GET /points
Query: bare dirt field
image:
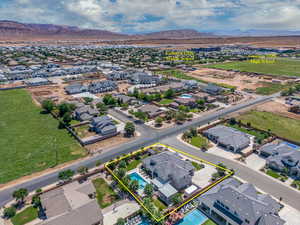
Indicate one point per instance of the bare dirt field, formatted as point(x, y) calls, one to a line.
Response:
point(55, 92)
point(105, 145)
point(278, 108)
point(240, 80)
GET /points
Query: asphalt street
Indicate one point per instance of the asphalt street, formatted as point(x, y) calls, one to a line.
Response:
point(167, 136)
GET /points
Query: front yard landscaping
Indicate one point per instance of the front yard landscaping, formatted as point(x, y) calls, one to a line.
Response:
point(27, 215)
point(259, 135)
point(276, 175)
point(192, 137)
point(30, 141)
point(282, 126)
point(296, 184)
point(104, 193)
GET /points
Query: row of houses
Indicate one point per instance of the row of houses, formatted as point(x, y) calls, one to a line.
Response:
point(94, 87)
point(21, 72)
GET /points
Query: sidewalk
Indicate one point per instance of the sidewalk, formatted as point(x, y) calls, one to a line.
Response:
point(1, 219)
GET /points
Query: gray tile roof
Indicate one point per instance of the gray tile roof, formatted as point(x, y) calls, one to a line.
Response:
point(229, 136)
point(242, 200)
point(71, 205)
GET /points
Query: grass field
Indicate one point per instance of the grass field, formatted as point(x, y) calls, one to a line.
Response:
point(165, 101)
point(104, 193)
point(27, 215)
point(289, 67)
point(260, 136)
point(282, 126)
point(27, 138)
point(199, 141)
point(270, 88)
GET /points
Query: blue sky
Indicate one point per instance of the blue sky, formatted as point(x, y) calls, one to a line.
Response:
point(140, 16)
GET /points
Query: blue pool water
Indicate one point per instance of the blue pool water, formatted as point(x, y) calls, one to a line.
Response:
point(292, 145)
point(193, 218)
point(186, 96)
point(141, 181)
point(144, 222)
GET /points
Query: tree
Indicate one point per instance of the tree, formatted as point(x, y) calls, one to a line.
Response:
point(48, 105)
point(65, 108)
point(134, 185)
point(169, 93)
point(102, 108)
point(9, 212)
point(66, 175)
point(82, 170)
point(121, 221)
point(36, 201)
point(67, 118)
point(148, 190)
point(193, 132)
point(122, 164)
point(232, 121)
point(129, 129)
point(121, 172)
point(20, 194)
point(158, 121)
point(176, 199)
point(87, 100)
point(109, 100)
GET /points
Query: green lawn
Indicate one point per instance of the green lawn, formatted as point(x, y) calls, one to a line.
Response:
point(104, 193)
point(199, 141)
point(29, 139)
point(159, 204)
point(279, 125)
point(297, 183)
point(260, 136)
point(27, 215)
point(273, 173)
point(180, 75)
point(270, 88)
point(133, 164)
point(281, 67)
point(209, 222)
point(165, 101)
point(197, 166)
point(82, 130)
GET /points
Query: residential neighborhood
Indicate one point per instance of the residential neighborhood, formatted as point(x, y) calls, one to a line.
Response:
point(163, 132)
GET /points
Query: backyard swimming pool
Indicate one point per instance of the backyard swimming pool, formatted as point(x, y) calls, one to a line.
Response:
point(186, 96)
point(193, 218)
point(141, 181)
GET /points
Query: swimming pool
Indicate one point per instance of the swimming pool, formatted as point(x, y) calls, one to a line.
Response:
point(186, 96)
point(141, 181)
point(292, 145)
point(193, 218)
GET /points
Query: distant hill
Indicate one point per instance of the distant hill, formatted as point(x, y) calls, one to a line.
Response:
point(176, 34)
point(16, 29)
point(12, 29)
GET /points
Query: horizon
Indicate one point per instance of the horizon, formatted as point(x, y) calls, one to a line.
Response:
point(134, 17)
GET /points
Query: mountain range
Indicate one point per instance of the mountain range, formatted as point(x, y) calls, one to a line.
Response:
point(16, 30)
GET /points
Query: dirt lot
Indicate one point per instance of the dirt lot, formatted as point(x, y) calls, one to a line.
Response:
point(55, 92)
point(277, 107)
point(105, 145)
point(237, 79)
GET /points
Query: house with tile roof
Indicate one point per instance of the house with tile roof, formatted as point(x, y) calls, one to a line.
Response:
point(228, 137)
point(233, 203)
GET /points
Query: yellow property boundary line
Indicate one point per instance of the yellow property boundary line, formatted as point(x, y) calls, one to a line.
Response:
point(230, 173)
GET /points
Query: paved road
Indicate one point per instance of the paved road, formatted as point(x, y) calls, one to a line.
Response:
point(148, 136)
point(263, 182)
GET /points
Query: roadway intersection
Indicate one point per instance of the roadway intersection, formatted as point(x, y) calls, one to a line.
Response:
point(168, 137)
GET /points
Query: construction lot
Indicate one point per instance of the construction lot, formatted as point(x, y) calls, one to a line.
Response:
point(242, 81)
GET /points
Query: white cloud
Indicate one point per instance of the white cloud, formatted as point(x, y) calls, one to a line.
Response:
point(125, 15)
